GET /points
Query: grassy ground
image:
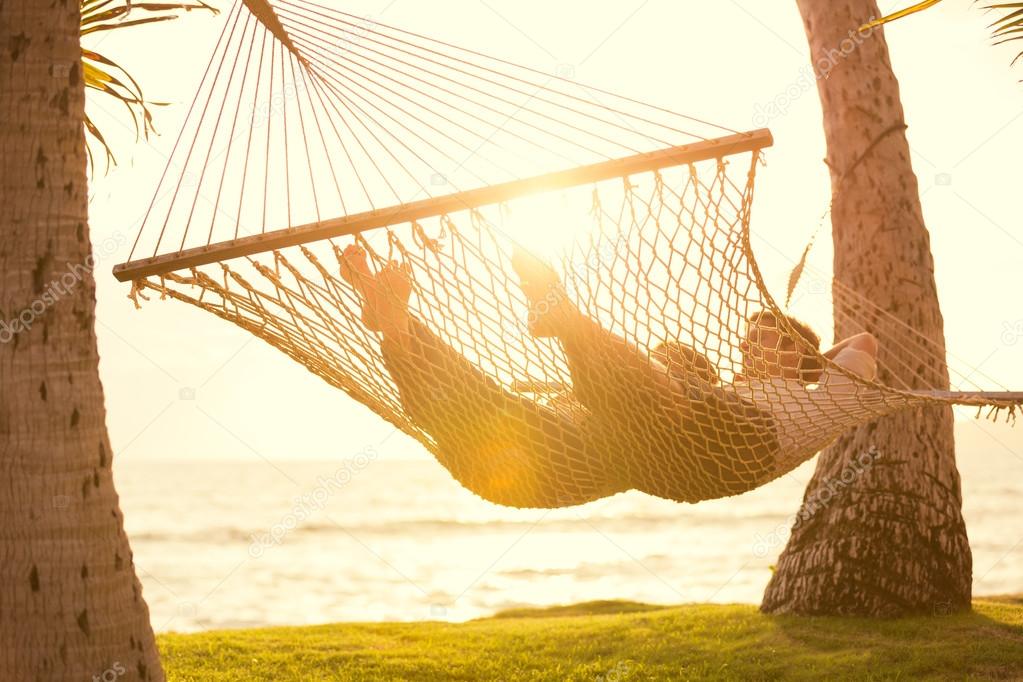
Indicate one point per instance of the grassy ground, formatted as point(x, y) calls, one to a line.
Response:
point(615, 642)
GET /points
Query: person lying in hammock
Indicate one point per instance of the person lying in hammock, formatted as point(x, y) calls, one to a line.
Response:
point(659, 423)
point(778, 369)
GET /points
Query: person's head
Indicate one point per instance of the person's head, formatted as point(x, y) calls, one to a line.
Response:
point(769, 350)
point(685, 361)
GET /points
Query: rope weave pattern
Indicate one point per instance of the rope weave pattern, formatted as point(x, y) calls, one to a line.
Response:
point(648, 385)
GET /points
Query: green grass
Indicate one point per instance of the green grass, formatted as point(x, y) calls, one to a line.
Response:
point(618, 641)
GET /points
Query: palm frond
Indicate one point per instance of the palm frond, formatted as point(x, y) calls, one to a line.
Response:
point(1006, 28)
point(110, 78)
point(918, 7)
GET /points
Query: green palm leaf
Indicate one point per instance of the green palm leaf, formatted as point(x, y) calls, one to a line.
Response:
point(106, 76)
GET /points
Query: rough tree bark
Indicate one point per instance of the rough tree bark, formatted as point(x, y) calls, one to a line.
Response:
point(71, 606)
point(887, 538)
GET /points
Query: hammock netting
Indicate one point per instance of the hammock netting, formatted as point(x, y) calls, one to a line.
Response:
point(427, 151)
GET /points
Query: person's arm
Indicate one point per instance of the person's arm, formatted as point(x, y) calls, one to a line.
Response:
point(858, 355)
point(864, 342)
point(595, 354)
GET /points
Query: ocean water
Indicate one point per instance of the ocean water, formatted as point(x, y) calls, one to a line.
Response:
point(253, 543)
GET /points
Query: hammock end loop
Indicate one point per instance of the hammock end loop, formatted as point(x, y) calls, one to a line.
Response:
point(137, 286)
point(424, 241)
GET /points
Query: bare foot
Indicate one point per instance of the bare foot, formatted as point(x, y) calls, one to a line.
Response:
point(355, 270)
point(548, 302)
point(394, 287)
point(384, 295)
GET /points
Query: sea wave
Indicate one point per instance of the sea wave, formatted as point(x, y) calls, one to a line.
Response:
point(438, 526)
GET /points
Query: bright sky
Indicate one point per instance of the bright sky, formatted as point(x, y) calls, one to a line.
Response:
point(180, 383)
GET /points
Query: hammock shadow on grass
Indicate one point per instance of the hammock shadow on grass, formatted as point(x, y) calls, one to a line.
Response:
point(890, 638)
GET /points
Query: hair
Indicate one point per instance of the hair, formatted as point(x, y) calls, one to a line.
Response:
point(810, 365)
point(686, 359)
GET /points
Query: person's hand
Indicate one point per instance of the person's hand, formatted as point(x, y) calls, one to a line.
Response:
point(864, 342)
point(537, 278)
point(834, 351)
point(549, 307)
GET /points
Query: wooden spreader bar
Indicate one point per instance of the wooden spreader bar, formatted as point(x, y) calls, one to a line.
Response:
point(438, 206)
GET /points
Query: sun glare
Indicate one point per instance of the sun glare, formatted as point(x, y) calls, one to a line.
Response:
point(548, 224)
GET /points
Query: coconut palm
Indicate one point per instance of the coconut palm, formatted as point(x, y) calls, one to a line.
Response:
point(71, 606)
point(881, 531)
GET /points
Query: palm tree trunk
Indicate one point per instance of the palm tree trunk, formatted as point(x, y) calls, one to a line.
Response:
point(881, 531)
point(71, 606)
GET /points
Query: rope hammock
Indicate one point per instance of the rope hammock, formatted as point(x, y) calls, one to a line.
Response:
point(317, 139)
